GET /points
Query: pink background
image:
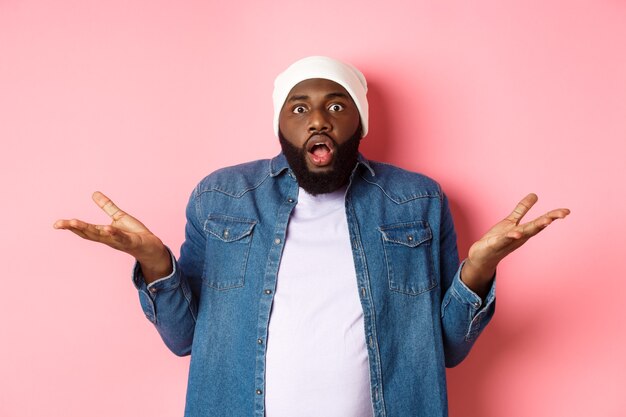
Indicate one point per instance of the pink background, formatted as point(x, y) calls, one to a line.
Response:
point(141, 99)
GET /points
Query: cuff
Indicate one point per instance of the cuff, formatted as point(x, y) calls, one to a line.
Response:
point(169, 282)
point(464, 294)
point(148, 292)
point(480, 311)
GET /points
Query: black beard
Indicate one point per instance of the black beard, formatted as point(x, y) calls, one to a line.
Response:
point(315, 183)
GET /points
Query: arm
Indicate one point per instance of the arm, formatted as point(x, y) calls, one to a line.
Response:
point(502, 239)
point(464, 314)
point(127, 234)
point(161, 283)
point(469, 302)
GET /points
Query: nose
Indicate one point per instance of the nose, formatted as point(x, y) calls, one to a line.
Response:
point(318, 121)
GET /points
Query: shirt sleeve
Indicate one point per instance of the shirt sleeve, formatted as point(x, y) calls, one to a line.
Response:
point(464, 315)
point(170, 303)
point(145, 290)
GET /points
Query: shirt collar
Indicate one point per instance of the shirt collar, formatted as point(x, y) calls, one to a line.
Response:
point(362, 161)
point(278, 164)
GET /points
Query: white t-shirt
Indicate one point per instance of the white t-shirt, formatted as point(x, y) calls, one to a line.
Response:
point(317, 362)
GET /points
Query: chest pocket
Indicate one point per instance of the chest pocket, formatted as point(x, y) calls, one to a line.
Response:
point(407, 254)
point(227, 248)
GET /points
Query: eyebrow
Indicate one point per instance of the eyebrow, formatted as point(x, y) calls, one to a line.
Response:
point(328, 96)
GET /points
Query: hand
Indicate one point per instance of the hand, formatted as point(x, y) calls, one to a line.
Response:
point(127, 234)
point(502, 239)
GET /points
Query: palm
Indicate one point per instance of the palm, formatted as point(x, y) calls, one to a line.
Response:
point(508, 234)
point(125, 232)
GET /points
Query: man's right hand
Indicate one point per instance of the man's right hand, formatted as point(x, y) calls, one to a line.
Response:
point(127, 234)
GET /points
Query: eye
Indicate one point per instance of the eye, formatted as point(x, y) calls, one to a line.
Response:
point(336, 107)
point(299, 109)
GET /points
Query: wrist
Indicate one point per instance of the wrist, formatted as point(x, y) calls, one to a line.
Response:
point(157, 265)
point(477, 277)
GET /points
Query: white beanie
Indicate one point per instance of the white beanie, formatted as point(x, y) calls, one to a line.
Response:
point(327, 68)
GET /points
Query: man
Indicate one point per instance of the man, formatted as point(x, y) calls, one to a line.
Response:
point(317, 283)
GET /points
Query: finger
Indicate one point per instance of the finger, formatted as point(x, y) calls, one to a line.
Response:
point(522, 208)
point(69, 224)
point(533, 227)
point(558, 213)
point(60, 224)
point(107, 205)
point(73, 226)
point(530, 229)
point(105, 234)
point(84, 229)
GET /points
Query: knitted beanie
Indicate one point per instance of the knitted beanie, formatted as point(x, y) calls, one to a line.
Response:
point(327, 68)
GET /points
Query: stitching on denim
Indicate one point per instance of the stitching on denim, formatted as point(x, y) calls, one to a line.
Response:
point(231, 284)
point(456, 295)
point(446, 302)
point(243, 192)
point(396, 287)
point(413, 225)
point(151, 314)
point(187, 294)
point(474, 322)
point(407, 199)
point(366, 164)
point(222, 286)
point(226, 220)
point(474, 327)
point(357, 236)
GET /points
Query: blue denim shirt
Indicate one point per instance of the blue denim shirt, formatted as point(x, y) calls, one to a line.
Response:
point(418, 315)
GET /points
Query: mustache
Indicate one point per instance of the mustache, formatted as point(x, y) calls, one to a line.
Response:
point(319, 134)
point(316, 135)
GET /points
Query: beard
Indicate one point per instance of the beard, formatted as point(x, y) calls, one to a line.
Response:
point(337, 176)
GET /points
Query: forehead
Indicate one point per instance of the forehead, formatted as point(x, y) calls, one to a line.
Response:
point(317, 87)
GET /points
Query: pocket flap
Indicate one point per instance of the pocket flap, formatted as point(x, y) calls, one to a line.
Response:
point(407, 234)
point(228, 229)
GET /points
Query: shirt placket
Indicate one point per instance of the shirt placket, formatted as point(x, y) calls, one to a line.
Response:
point(267, 296)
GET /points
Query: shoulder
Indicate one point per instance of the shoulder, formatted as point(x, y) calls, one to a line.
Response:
point(235, 180)
point(399, 184)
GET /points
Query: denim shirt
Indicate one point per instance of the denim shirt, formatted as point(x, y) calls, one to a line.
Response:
point(419, 317)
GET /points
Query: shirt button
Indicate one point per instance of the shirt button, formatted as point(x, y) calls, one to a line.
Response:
point(153, 290)
point(259, 392)
point(226, 233)
point(410, 238)
point(268, 292)
point(290, 200)
point(259, 341)
point(476, 304)
point(277, 241)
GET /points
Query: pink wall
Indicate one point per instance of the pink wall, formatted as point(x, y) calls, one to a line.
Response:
point(140, 99)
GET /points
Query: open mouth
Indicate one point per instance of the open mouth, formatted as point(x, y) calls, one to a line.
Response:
point(320, 149)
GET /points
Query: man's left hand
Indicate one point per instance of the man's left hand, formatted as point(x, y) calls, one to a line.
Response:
point(502, 239)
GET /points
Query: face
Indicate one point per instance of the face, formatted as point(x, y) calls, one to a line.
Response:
point(320, 131)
